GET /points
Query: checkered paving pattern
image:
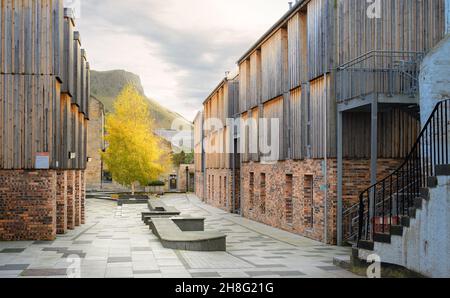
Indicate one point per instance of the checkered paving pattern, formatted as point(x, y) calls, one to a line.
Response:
point(114, 243)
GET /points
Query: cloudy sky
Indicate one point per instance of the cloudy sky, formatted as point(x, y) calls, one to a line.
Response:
point(180, 48)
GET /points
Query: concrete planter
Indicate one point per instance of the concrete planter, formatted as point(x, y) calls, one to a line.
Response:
point(155, 190)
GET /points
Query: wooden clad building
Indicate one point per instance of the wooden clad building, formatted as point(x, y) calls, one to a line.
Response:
point(44, 89)
point(199, 156)
point(219, 143)
point(342, 82)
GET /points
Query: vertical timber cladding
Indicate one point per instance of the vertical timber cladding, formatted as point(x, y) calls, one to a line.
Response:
point(244, 130)
point(31, 63)
point(68, 71)
point(319, 113)
point(320, 28)
point(397, 132)
point(296, 123)
point(31, 37)
point(30, 109)
point(273, 110)
point(405, 25)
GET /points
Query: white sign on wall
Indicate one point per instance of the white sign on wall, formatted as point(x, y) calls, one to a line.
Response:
point(42, 161)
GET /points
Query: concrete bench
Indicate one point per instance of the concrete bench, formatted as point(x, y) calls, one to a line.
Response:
point(158, 210)
point(187, 234)
point(147, 216)
point(159, 206)
point(130, 199)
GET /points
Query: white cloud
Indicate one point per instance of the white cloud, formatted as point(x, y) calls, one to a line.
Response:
point(180, 49)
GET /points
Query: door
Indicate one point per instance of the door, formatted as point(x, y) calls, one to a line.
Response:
point(173, 182)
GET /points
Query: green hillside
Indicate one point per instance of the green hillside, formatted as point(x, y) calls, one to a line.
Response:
point(106, 85)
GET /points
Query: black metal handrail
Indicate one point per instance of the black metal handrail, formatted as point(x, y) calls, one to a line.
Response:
point(386, 202)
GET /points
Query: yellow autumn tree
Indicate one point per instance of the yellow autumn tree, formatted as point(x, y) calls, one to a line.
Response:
point(133, 155)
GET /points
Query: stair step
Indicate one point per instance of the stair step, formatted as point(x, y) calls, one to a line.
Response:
point(343, 262)
point(432, 182)
point(418, 203)
point(425, 193)
point(412, 212)
point(405, 221)
point(367, 245)
point(443, 170)
point(382, 238)
point(397, 230)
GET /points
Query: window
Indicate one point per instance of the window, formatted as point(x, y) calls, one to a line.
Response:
point(289, 208)
point(225, 191)
point(262, 193)
point(252, 190)
point(220, 191)
point(308, 194)
point(212, 187)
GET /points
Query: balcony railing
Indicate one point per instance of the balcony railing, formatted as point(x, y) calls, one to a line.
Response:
point(388, 72)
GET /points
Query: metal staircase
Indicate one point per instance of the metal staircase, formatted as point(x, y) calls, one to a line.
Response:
point(390, 203)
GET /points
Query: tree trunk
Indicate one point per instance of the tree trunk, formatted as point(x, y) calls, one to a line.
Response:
point(133, 188)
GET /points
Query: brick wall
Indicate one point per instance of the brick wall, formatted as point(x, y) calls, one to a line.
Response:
point(20, 192)
point(301, 210)
point(95, 144)
point(61, 202)
point(199, 186)
point(218, 188)
point(83, 196)
point(77, 213)
point(71, 200)
point(182, 176)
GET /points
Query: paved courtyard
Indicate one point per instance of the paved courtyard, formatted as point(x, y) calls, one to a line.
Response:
point(114, 243)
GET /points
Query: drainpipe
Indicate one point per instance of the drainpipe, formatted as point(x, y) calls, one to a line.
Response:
point(447, 17)
point(325, 168)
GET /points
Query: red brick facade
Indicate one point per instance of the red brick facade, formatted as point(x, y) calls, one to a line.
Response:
point(37, 205)
point(83, 197)
point(218, 188)
point(290, 195)
point(27, 205)
point(199, 186)
point(71, 200)
point(61, 202)
point(77, 213)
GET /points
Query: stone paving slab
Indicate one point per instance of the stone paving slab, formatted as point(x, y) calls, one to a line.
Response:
point(114, 243)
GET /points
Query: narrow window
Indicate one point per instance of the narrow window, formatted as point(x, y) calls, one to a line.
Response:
point(220, 191)
point(289, 191)
point(308, 191)
point(263, 193)
point(225, 191)
point(212, 188)
point(252, 189)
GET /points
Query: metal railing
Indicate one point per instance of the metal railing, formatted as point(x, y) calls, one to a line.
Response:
point(385, 203)
point(388, 72)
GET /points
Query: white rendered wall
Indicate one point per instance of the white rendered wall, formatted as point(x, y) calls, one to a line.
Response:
point(425, 245)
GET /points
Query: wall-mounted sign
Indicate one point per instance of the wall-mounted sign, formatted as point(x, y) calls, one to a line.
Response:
point(42, 161)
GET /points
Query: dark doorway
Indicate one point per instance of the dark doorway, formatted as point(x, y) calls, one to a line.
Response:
point(173, 182)
point(191, 182)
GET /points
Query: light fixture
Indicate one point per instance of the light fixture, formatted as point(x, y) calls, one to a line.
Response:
point(72, 155)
